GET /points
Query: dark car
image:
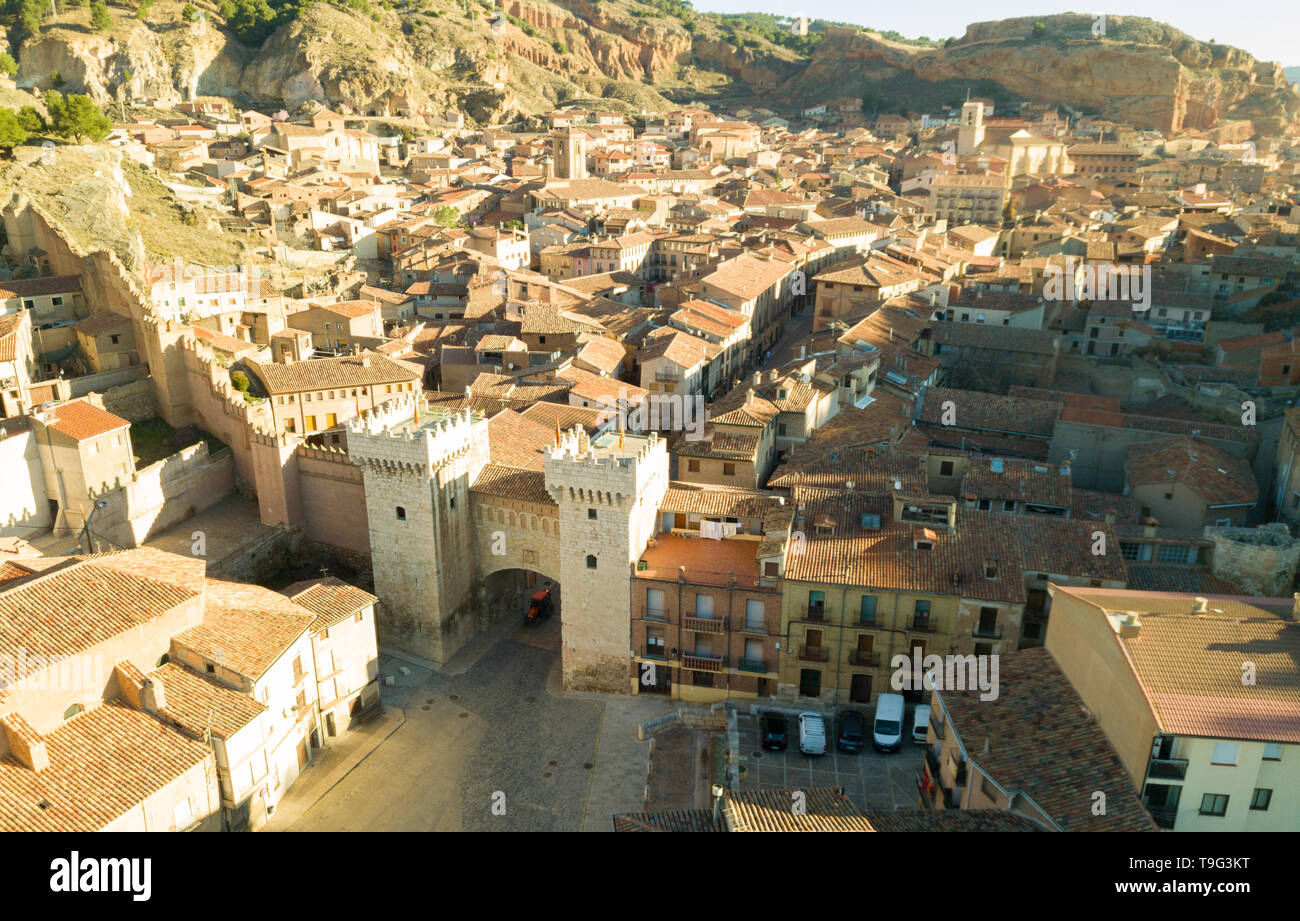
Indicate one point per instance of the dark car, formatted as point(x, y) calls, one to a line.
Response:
point(772, 728)
point(852, 734)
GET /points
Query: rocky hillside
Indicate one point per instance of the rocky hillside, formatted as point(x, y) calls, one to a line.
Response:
point(496, 62)
point(1139, 71)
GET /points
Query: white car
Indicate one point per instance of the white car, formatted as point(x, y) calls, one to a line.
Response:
point(920, 722)
point(812, 734)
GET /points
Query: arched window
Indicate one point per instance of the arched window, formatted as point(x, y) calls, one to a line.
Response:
point(591, 561)
point(401, 513)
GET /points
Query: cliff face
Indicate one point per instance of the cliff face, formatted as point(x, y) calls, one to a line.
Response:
point(1140, 72)
point(530, 55)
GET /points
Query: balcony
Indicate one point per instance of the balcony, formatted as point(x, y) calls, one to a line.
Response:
point(864, 659)
point(1163, 816)
point(667, 377)
point(981, 632)
point(814, 654)
point(753, 665)
point(704, 663)
point(658, 615)
point(714, 625)
point(1168, 768)
point(921, 626)
point(816, 613)
point(656, 653)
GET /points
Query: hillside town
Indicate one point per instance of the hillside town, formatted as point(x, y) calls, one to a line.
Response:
point(960, 447)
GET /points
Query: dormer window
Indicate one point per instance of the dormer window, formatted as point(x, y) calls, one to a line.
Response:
point(990, 569)
point(924, 545)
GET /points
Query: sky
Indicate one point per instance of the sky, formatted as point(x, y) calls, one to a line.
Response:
point(1268, 31)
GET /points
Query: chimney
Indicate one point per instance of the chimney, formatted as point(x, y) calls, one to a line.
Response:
point(1149, 527)
point(1295, 607)
point(152, 697)
point(801, 350)
point(1111, 515)
point(25, 743)
point(758, 378)
point(1130, 626)
point(1202, 605)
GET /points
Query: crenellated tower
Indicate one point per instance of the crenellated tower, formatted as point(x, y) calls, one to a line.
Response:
point(608, 490)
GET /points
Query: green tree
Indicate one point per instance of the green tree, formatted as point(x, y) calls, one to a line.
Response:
point(76, 116)
point(100, 21)
point(31, 120)
point(12, 132)
point(447, 216)
point(30, 14)
point(8, 66)
point(1039, 30)
point(56, 80)
point(143, 9)
point(189, 11)
point(239, 380)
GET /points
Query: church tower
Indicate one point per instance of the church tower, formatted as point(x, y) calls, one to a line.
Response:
point(970, 134)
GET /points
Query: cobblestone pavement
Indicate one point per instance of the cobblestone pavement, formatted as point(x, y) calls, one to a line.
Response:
point(492, 728)
point(872, 779)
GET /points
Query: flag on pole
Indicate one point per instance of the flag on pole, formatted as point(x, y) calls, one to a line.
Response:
point(557, 431)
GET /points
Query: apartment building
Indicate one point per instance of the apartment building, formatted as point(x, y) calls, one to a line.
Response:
point(315, 395)
point(968, 199)
point(1197, 695)
point(706, 595)
point(84, 451)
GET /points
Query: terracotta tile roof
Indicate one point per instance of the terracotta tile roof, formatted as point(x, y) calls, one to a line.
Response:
point(39, 287)
point(518, 441)
point(948, 820)
point(1212, 473)
point(1189, 665)
point(512, 483)
point(330, 598)
point(714, 443)
point(197, 704)
point(719, 501)
point(1166, 578)
point(769, 810)
point(245, 628)
point(80, 419)
point(103, 763)
point(79, 604)
point(886, 557)
point(101, 322)
point(1037, 738)
point(688, 820)
point(990, 412)
point(1006, 478)
point(366, 369)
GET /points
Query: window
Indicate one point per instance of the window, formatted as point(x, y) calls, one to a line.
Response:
point(984, 505)
point(693, 466)
point(1214, 804)
point(591, 561)
point(591, 514)
point(867, 609)
point(1225, 753)
point(921, 616)
point(728, 469)
point(945, 468)
point(72, 711)
point(1260, 799)
point(755, 616)
point(401, 513)
point(183, 814)
point(1272, 751)
point(360, 616)
point(1128, 551)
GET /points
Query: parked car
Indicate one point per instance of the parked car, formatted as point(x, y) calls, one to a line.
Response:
point(852, 732)
point(920, 721)
point(771, 727)
point(812, 734)
point(887, 731)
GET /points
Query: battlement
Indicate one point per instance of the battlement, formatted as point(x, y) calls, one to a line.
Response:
point(397, 436)
point(607, 469)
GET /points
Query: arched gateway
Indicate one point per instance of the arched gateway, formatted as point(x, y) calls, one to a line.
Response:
point(454, 499)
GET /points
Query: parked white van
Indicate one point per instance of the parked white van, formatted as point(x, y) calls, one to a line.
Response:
point(887, 730)
point(812, 734)
point(920, 721)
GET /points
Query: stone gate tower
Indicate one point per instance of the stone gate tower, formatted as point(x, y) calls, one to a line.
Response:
point(417, 479)
point(608, 496)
